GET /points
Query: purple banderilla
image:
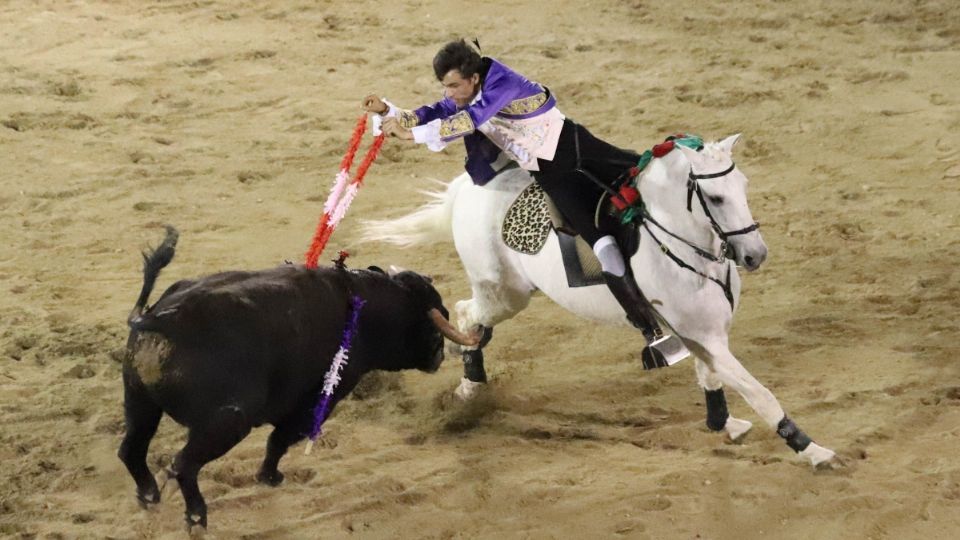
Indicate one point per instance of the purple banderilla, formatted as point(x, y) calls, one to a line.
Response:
point(332, 378)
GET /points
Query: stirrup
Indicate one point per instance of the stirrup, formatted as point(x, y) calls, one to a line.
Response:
point(662, 352)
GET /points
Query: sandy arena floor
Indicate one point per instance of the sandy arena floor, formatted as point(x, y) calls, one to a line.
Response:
point(228, 119)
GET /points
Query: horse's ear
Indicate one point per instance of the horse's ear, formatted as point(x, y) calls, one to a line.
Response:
point(727, 144)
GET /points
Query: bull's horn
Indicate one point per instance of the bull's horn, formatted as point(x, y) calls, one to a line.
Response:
point(451, 333)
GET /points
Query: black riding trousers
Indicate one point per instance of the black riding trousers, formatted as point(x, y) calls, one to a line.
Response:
point(575, 195)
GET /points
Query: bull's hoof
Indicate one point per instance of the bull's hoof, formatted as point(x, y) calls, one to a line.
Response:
point(468, 389)
point(196, 525)
point(270, 478)
point(148, 498)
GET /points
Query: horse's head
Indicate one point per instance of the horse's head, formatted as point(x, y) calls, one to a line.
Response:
point(720, 189)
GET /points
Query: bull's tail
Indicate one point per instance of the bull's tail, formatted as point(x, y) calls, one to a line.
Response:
point(430, 223)
point(154, 261)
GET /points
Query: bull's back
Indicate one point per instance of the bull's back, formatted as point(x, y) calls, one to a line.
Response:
point(260, 341)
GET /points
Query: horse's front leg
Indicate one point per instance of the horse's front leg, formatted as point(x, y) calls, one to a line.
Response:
point(470, 317)
point(731, 373)
point(491, 304)
point(718, 418)
point(474, 374)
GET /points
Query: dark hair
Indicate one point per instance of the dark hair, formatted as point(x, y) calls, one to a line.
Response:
point(459, 56)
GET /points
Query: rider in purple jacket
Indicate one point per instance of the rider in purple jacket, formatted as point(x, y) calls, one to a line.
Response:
point(503, 117)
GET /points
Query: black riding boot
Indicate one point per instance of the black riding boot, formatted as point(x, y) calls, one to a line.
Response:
point(640, 313)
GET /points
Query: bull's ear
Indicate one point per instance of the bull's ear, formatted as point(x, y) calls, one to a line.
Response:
point(376, 269)
point(428, 278)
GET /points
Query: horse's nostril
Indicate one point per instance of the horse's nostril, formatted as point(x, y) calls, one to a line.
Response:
point(749, 260)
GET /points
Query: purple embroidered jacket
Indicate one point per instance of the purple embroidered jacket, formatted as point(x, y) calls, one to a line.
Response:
point(504, 94)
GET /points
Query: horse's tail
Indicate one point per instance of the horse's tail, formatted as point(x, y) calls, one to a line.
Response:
point(432, 222)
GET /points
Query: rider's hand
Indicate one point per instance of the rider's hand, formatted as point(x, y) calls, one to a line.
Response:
point(374, 104)
point(392, 127)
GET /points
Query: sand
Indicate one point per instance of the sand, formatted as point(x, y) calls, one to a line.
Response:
point(228, 120)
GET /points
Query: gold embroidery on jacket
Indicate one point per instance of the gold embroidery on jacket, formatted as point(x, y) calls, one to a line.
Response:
point(456, 125)
point(525, 105)
point(407, 119)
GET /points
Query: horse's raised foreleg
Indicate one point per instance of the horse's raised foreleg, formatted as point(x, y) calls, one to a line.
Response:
point(731, 373)
point(473, 368)
point(490, 305)
point(718, 418)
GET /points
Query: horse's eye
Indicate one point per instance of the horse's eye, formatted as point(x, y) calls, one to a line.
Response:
point(716, 199)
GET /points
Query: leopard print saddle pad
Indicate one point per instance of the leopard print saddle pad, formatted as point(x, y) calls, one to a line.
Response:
point(527, 226)
point(529, 220)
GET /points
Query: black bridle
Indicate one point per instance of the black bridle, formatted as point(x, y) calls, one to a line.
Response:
point(693, 186)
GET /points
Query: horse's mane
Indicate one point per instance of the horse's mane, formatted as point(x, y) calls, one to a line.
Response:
point(712, 150)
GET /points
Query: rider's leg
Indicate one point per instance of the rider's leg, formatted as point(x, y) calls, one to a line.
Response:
point(624, 287)
point(575, 197)
point(603, 159)
point(610, 256)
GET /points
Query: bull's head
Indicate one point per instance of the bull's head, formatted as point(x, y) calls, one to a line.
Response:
point(436, 319)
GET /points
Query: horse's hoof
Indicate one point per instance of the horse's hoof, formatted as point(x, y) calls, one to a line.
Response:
point(822, 458)
point(272, 479)
point(836, 463)
point(468, 389)
point(737, 429)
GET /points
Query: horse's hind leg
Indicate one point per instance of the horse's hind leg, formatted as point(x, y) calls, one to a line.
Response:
point(731, 373)
point(718, 418)
point(490, 305)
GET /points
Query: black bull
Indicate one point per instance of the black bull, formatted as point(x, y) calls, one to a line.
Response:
point(231, 351)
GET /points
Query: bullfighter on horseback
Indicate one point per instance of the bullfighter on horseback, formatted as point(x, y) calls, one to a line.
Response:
point(505, 118)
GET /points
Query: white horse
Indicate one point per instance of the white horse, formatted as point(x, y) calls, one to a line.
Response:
point(696, 211)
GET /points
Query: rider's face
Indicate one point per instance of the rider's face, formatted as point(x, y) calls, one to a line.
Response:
point(461, 90)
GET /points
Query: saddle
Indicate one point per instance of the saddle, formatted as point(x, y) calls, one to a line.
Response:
point(532, 215)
